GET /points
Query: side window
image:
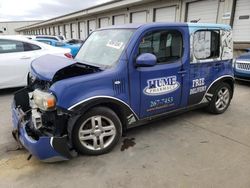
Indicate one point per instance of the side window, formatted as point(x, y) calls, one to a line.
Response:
point(59, 44)
point(45, 42)
point(206, 44)
point(165, 45)
point(30, 47)
point(10, 46)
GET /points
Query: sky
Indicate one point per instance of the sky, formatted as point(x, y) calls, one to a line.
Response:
point(23, 10)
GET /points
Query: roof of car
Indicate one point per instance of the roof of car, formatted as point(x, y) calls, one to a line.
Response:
point(23, 38)
point(170, 24)
point(46, 39)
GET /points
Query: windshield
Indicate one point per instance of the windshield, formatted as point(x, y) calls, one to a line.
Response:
point(104, 47)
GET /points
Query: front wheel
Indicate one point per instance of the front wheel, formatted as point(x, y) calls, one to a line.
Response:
point(97, 132)
point(221, 99)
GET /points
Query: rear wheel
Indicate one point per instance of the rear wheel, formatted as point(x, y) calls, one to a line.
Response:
point(221, 99)
point(97, 132)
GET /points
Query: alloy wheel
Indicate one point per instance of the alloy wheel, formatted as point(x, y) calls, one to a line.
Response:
point(97, 132)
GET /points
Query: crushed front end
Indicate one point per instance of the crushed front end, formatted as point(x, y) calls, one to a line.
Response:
point(39, 125)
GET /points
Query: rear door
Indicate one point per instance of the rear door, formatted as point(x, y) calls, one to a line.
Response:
point(206, 63)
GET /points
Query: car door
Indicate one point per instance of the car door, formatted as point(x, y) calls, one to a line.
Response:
point(15, 59)
point(205, 64)
point(161, 85)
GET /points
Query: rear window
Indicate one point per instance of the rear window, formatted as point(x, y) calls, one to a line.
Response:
point(206, 44)
point(31, 47)
point(45, 42)
point(12, 46)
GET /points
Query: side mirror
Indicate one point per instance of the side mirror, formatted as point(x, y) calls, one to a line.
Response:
point(146, 60)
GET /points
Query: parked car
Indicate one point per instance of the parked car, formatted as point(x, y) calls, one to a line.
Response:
point(122, 77)
point(73, 47)
point(74, 41)
point(16, 55)
point(242, 66)
point(57, 38)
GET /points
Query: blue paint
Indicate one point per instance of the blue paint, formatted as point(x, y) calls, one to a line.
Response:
point(74, 48)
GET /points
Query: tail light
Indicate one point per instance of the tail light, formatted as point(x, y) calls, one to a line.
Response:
point(68, 55)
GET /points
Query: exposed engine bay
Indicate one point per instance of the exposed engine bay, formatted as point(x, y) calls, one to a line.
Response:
point(51, 121)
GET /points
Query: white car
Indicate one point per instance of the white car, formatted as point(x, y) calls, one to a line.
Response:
point(16, 55)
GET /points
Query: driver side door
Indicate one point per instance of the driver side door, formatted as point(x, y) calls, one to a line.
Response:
point(161, 85)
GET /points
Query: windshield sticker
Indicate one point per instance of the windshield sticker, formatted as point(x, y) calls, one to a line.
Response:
point(198, 86)
point(114, 44)
point(160, 86)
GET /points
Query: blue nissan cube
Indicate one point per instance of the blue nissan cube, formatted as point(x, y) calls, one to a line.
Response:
point(123, 76)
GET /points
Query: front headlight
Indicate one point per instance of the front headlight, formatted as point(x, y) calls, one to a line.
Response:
point(44, 100)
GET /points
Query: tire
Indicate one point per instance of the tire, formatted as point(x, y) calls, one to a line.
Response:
point(221, 99)
point(97, 131)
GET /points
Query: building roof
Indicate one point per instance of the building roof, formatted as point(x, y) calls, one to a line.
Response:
point(111, 5)
point(169, 24)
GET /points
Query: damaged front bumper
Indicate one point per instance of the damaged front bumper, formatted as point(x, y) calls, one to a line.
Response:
point(45, 148)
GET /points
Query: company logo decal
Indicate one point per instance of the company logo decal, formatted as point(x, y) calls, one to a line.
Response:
point(160, 86)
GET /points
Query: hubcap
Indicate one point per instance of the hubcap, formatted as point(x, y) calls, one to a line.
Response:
point(223, 98)
point(97, 132)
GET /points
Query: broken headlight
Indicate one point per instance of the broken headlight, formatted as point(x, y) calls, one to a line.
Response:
point(44, 100)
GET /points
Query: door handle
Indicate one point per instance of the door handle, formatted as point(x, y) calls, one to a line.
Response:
point(217, 64)
point(25, 57)
point(182, 72)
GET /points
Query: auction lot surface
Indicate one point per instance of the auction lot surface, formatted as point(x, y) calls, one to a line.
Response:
point(195, 149)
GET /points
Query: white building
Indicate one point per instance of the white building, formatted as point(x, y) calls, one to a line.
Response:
point(9, 27)
point(79, 24)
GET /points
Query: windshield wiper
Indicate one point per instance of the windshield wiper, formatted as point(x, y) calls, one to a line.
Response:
point(99, 66)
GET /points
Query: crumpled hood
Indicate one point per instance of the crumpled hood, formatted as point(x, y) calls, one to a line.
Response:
point(54, 68)
point(45, 67)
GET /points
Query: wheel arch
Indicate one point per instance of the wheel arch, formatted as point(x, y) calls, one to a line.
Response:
point(226, 79)
point(122, 109)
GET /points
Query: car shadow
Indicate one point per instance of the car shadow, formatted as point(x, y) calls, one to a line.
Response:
point(243, 83)
point(164, 121)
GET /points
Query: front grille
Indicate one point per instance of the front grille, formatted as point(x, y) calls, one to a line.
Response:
point(243, 65)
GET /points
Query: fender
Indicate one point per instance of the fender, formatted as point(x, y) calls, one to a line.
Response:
point(210, 90)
